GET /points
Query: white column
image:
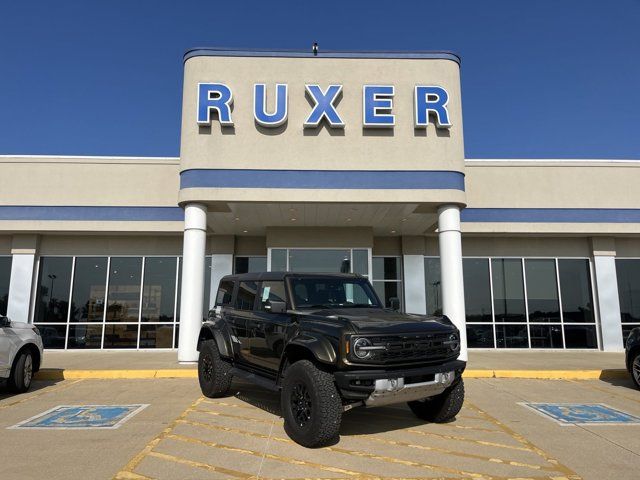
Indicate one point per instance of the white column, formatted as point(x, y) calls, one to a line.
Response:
point(195, 238)
point(415, 296)
point(608, 302)
point(452, 285)
point(221, 265)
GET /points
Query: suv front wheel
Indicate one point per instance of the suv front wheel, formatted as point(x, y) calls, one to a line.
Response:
point(21, 372)
point(214, 374)
point(311, 406)
point(440, 408)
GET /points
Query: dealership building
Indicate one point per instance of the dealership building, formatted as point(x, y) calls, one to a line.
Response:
point(335, 162)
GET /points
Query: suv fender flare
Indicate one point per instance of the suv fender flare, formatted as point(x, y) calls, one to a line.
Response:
point(211, 332)
point(312, 347)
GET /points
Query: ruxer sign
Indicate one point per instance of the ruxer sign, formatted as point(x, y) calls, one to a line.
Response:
point(377, 105)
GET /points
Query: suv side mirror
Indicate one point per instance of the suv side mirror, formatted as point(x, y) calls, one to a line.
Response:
point(274, 306)
point(5, 322)
point(395, 303)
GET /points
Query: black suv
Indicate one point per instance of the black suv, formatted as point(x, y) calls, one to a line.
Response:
point(325, 342)
point(632, 349)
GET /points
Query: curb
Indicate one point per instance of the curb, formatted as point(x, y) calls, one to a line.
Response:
point(62, 374)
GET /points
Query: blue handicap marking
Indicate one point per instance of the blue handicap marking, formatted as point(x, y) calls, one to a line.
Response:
point(583, 413)
point(82, 417)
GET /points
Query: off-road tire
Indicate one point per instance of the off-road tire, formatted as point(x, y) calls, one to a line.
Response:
point(21, 372)
point(441, 408)
point(635, 368)
point(303, 384)
point(214, 374)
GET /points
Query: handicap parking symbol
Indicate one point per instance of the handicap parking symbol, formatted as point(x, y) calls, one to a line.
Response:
point(583, 413)
point(82, 417)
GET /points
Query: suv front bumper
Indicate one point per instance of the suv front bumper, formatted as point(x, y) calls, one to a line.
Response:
point(375, 386)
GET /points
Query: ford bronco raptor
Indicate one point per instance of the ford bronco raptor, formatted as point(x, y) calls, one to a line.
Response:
point(325, 342)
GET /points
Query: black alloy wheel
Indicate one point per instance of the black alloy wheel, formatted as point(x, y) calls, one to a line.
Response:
point(301, 405)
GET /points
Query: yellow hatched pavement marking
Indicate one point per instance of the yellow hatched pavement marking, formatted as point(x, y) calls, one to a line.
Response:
point(201, 465)
point(465, 439)
point(131, 476)
point(270, 456)
point(564, 470)
point(44, 391)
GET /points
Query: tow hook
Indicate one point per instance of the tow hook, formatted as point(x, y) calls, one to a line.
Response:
point(346, 408)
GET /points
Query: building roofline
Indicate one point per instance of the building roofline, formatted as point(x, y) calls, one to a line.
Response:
point(380, 54)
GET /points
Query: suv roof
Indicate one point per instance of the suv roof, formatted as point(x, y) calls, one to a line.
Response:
point(257, 276)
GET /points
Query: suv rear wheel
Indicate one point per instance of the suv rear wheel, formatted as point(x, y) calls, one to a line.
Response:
point(635, 368)
point(311, 406)
point(441, 408)
point(21, 372)
point(214, 374)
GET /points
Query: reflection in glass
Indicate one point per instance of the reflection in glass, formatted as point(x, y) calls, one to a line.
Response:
point(156, 336)
point(626, 331)
point(386, 268)
point(53, 335)
point(158, 292)
point(508, 290)
point(432, 284)
point(387, 290)
point(250, 264)
point(575, 289)
point(52, 296)
point(360, 262)
point(279, 260)
point(319, 261)
point(206, 304)
point(120, 336)
point(89, 285)
point(480, 336)
point(542, 290)
point(5, 276)
point(511, 336)
point(246, 295)
point(580, 336)
point(85, 336)
point(546, 336)
point(477, 293)
point(179, 289)
point(628, 273)
point(124, 290)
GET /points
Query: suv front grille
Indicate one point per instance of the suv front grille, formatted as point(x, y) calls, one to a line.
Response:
point(411, 348)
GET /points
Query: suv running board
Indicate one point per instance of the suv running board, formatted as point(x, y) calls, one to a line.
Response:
point(255, 379)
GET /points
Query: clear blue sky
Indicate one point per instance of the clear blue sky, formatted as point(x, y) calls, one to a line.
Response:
point(543, 78)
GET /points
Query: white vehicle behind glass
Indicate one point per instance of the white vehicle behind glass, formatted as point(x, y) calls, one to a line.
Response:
point(20, 353)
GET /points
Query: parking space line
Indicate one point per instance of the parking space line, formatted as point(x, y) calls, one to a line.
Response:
point(237, 417)
point(570, 474)
point(270, 456)
point(471, 440)
point(130, 476)
point(44, 391)
point(201, 465)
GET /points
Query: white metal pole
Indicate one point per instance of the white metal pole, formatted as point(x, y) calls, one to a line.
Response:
point(195, 237)
point(452, 285)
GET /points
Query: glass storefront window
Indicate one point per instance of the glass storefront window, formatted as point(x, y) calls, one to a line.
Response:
point(432, 284)
point(159, 290)
point(575, 290)
point(5, 277)
point(480, 336)
point(546, 336)
point(85, 336)
point(477, 289)
point(54, 280)
point(250, 264)
point(360, 262)
point(628, 273)
point(319, 260)
point(508, 290)
point(89, 287)
point(279, 260)
point(120, 336)
point(542, 290)
point(512, 336)
point(156, 336)
point(580, 336)
point(387, 279)
point(123, 300)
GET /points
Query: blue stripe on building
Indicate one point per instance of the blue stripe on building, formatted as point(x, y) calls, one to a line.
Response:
point(62, 213)
point(551, 215)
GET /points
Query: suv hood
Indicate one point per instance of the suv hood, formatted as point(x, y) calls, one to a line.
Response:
point(376, 320)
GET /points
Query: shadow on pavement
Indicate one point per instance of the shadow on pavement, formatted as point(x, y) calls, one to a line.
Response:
point(620, 381)
point(35, 386)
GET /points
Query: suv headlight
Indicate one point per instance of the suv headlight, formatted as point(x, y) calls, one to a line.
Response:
point(35, 330)
point(453, 341)
point(364, 349)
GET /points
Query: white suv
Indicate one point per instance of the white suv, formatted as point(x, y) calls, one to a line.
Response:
point(20, 353)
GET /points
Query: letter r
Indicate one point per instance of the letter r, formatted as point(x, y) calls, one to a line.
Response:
point(431, 99)
point(214, 96)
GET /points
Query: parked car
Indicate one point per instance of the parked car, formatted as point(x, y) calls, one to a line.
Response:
point(633, 355)
point(20, 353)
point(327, 345)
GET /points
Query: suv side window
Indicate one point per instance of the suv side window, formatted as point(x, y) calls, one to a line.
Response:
point(246, 295)
point(271, 291)
point(225, 292)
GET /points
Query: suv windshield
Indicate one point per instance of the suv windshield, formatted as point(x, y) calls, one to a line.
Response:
point(332, 292)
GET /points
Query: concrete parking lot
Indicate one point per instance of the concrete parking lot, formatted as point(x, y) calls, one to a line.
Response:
point(182, 435)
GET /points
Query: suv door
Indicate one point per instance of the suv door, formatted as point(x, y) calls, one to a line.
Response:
point(239, 314)
point(268, 330)
point(7, 348)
